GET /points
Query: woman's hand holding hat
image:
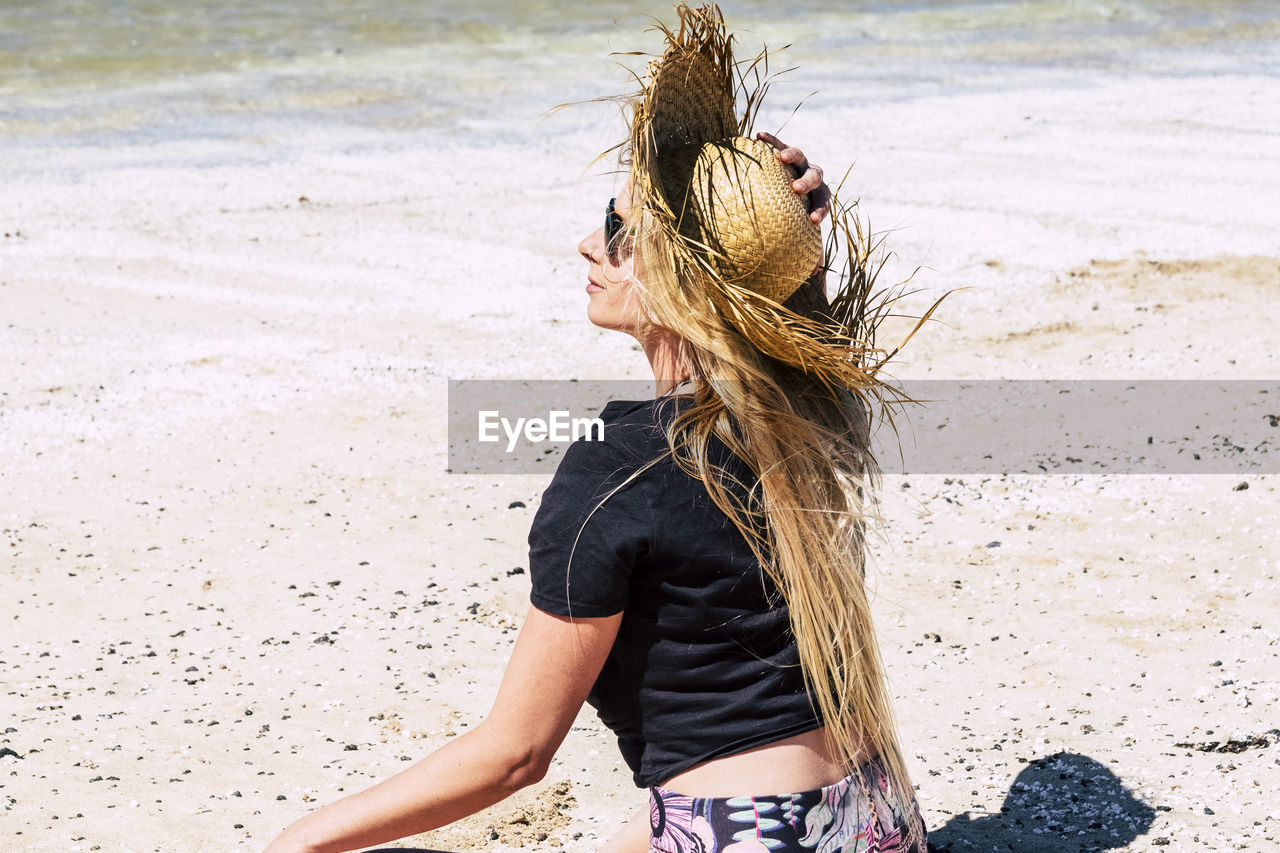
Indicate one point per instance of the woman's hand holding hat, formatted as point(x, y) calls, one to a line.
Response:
point(809, 183)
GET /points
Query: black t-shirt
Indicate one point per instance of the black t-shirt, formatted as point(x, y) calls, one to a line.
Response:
point(705, 664)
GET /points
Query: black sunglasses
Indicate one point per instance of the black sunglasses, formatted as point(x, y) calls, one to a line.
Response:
point(612, 230)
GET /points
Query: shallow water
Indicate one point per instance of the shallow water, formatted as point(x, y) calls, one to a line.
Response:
point(148, 70)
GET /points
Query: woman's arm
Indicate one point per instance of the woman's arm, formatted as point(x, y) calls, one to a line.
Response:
point(553, 665)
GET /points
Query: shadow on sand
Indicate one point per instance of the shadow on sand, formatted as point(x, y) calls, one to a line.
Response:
point(1062, 803)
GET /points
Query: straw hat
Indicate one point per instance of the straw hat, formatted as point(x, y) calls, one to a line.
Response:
point(738, 236)
point(728, 197)
point(736, 232)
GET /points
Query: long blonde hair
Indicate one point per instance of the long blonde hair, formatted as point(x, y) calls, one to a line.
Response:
point(806, 517)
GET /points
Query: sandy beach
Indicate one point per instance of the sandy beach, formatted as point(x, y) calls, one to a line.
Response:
point(239, 581)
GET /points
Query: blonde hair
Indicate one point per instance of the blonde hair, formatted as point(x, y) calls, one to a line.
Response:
point(805, 518)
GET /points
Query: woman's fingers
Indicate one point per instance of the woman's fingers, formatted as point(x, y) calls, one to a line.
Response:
point(819, 200)
point(791, 156)
point(809, 182)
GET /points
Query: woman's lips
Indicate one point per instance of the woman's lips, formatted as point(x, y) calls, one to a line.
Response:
point(592, 287)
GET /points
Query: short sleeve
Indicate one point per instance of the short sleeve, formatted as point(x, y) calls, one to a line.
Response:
point(589, 532)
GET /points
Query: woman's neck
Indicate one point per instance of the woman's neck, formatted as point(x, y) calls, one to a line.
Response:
point(663, 351)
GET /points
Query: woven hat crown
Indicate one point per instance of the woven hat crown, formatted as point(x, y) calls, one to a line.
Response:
point(735, 207)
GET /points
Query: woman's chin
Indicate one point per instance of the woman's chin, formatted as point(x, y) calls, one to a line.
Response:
point(611, 324)
point(600, 317)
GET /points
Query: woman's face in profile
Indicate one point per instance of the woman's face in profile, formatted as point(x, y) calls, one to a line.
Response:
point(612, 303)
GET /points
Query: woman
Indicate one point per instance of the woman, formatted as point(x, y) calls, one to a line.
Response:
point(697, 575)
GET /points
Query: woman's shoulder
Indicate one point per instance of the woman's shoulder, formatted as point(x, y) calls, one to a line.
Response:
point(652, 412)
point(631, 434)
point(635, 429)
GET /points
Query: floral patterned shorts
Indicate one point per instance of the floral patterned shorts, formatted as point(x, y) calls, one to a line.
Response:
point(847, 817)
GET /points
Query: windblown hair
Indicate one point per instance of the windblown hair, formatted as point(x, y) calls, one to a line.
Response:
point(806, 516)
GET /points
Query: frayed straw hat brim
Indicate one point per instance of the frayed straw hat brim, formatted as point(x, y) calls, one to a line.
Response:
point(732, 225)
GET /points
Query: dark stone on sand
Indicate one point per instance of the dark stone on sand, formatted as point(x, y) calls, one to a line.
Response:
point(994, 543)
point(1240, 487)
point(1235, 745)
point(6, 752)
point(515, 505)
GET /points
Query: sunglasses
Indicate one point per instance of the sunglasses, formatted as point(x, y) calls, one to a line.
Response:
point(612, 231)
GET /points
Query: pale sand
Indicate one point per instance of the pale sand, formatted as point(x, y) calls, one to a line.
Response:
point(239, 581)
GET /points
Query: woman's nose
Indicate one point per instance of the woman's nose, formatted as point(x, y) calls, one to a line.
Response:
point(591, 244)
